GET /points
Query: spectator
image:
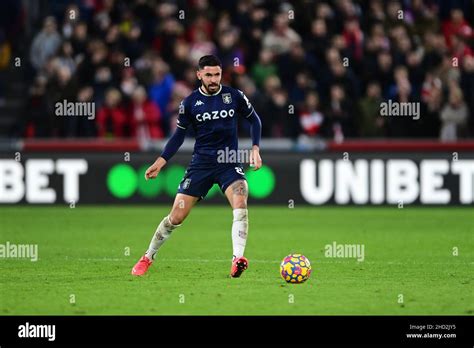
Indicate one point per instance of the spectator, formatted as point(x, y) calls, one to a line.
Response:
point(434, 48)
point(79, 39)
point(264, 67)
point(144, 117)
point(396, 16)
point(97, 71)
point(232, 57)
point(467, 84)
point(302, 87)
point(294, 61)
point(431, 102)
point(318, 40)
point(180, 61)
point(71, 16)
point(65, 57)
point(401, 80)
point(369, 121)
point(45, 44)
point(201, 46)
point(161, 88)
point(128, 83)
point(80, 126)
point(453, 116)
point(201, 25)
point(111, 118)
point(5, 55)
point(344, 76)
point(259, 102)
point(354, 39)
point(311, 118)
point(339, 122)
point(401, 92)
point(170, 32)
point(383, 71)
point(180, 91)
point(459, 49)
point(377, 40)
point(283, 124)
point(281, 37)
point(456, 25)
point(62, 85)
point(37, 121)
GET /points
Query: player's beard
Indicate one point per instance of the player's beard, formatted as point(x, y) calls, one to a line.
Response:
point(207, 88)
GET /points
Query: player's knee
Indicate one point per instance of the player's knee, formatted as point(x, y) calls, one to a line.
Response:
point(240, 204)
point(240, 201)
point(176, 218)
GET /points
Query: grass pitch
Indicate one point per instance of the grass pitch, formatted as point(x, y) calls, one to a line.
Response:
point(86, 254)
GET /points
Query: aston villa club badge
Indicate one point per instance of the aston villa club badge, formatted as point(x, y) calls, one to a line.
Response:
point(226, 98)
point(186, 183)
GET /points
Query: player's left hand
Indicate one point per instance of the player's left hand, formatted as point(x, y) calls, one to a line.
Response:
point(153, 171)
point(255, 159)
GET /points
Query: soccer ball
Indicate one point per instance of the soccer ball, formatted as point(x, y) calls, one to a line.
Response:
point(295, 268)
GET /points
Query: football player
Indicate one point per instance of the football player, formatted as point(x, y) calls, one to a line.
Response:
point(212, 111)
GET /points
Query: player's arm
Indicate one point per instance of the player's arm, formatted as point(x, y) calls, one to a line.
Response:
point(256, 133)
point(251, 116)
point(171, 147)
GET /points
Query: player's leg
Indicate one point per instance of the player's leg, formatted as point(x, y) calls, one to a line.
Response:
point(182, 206)
point(194, 186)
point(237, 194)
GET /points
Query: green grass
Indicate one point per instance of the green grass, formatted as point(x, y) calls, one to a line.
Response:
point(82, 253)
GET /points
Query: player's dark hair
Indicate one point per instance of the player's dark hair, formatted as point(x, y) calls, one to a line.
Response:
point(209, 60)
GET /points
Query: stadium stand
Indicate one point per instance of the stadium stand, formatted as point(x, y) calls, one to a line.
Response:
point(312, 69)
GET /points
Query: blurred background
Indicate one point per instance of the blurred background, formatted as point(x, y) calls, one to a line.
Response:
point(312, 69)
point(315, 71)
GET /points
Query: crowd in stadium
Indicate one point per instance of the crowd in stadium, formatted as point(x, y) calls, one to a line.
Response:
point(311, 69)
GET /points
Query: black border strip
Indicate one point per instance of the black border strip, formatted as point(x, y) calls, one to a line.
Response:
point(223, 330)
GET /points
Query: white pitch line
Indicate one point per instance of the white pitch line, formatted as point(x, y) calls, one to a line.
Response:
point(106, 259)
point(349, 261)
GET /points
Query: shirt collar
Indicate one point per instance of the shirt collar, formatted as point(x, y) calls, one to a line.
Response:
point(210, 95)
